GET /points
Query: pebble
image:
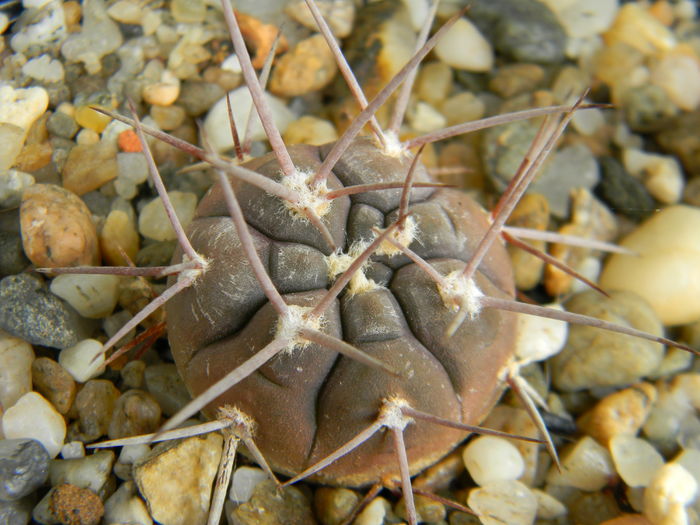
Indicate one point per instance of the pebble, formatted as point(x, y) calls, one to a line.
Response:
point(99, 36)
point(93, 122)
point(427, 509)
point(164, 92)
point(505, 501)
point(89, 167)
point(623, 193)
point(44, 69)
point(125, 506)
point(93, 296)
point(270, 505)
point(515, 79)
point(662, 174)
point(670, 490)
point(61, 124)
point(333, 505)
point(164, 383)
point(647, 107)
point(12, 258)
point(678, 74)
point(548, 507)
point(462, 107)
point(339, 14)
point(585, 465)
point(92, 472)
point(133, 374)
point(158, 478)
point(310, 130)
point(136, 412)
point(29, 311)
point(584, 18)
point(307, 67)
point(637, 28)
point(424, 118)
point(18, 511)
point(57, 228)
point(117, 237)
point(532, 211)
point(33, 417)
point(680, 138)
point(628, 519)
point(24, 467)
point(168, 118)
point(75, 506)
point(374, 513)
point(490, 459)
point(12, 185)
point(668, 246)
point(16, 357)
point(95, 404)
point(42, 33)
point(20, 108)
point(243, 483)
point(593, 357)
point(523, 30)
point(539, 338)
point(154, 222)
point(83, 361)
point(465, 35)
point(73, 450)
point(53, 382)
point(188, 11)
point(216, 123)
point(434, 82)
point(621, 413)
point(636, 460)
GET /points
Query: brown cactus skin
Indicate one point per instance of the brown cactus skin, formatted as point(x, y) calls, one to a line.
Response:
point(311, 401)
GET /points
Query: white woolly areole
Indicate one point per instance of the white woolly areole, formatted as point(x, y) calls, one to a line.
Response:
point(290, 323)
point(404, 236)
point(392, 146)
point(310, 197)
point(390, 414)
point(239, 419)
point(193, 273)
point(338, 262)
point(461, 294)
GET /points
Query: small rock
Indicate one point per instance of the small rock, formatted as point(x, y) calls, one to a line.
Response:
point(423, 118)
point(198, 97)
point(504, 502)
point(164, 92)
point(44, 69)
point(164, 383)
point(133, 374)
point(16, 357)
point(339, 14)
point(154, 222)
point(310, 130)
point(523, 30)
point(662, 174)
point(24, 467)
point(635, 459)
point(680, 138)
point(188, 11)
point(628, 519)
point(428, 510)
point(670, 490)
point(72, 505)
point(668, 246)
point(539, 338)
point(548, 507)
point(334, 505)
point(434, 82)
point(18, 511)
point(584, 18)
point(158, 477)
point(514, 79)
point(45, 30)
point(489, 459)
point(53, 382)
point(243, 483)
point(61, 124)
point(678, 74)
point(33, 417)
point(169, 117)
point(637, 28)
point(93, 296)
point(91, 472)
point(57, 228)
point(135, 413)
point(73, 450)
point(594, 357)
point(462, 107)
point(84, 360)
point(125, 506)
point(307, 67)
point(12, 258)
point(89, 167)
point(270, 505)
point(374, 512)
point(95, 404)
point(12, 185)
point(93, 122)
point(620, 413)
point(118, 237)
point(465, 35)
point(531, 212)
point(585, 465)
point(29, 311)
point(624, 193)
point(647, 108)
point(689, 459)
point(22, 107)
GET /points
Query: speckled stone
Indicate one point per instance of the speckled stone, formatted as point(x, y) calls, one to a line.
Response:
point(272, 506)
point(623, 193)
point(53, 382)
point(135, 413)
point(12, 258)
point(75, 506)
point(24, 467)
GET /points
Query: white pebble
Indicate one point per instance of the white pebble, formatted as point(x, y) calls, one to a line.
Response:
point(586, 465)
point(132, 453)
point(588, 122)
point(232, 64)
point(464, 47)
point(636, 460)
point(491, 458)
point(44, 69)
point(16, 357)
point(584, 18)
point(34, 417)
point(154, 222)
point(84, 360)
point(504, 502)
point(374, 513)
point(243, 483)
point(73, 450)
point(662, 174)
point(93, 296)
point(218, 129)
point(678, 74)
point(689, 459)
point(22, 107)
point(425, 118)
point(125, 506)
point(548, 507)
point(539, 337)
point(670, 490)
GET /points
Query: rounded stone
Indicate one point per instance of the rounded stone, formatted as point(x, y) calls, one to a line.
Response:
point(491, 458)
point(24, 467)
point(33, 417)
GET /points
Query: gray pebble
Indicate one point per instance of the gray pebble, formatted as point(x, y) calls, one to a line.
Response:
point(647, 108)
point(156, 254)
point(271, 506)
point(524, 30)
point(166, 386)
point(24, 467)
point(198, 97)
point(12, 258)
point(17, 512)
point(29, 311)
point(62, 125)
point(622, 192)
point(92, 472)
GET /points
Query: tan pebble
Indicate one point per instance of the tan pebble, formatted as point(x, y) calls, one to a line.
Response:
point(587, 211)
point(168, 118)
point(662, 11)
point(585, 465)
point(678, 73)
point(628, 519)
point(531, 212)
point(556, 281)
point(260, 36)
point(136, 412)
point(434, 82)
point(95, 404)
point(308, 67)
point(119, 240)
point(668, 247)
point(161, 93)
point(90, 166)
point(34, 157)
point(57, 228)
point(310, 130)
point(548, 507)
point(622, 412)
point(87, 137)
point(75, 506)
point(462, 107)
point(689, 386)
point(72, 12)
point(670, 490)
point(515, 79)
point(87, 117)
point(334, 505)
point(53, 382)
point(635, 27)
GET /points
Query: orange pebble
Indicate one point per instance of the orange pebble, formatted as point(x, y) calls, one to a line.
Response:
point(128, 141)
